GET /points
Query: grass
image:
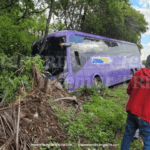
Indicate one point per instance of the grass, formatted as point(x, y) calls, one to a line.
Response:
point(99, 120)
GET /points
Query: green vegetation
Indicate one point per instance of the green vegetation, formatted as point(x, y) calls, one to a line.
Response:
point(12, 78)
point(22, 23)
point(98, 120)
point(144, 62)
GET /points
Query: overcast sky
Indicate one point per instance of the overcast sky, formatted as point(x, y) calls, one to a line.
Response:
point(144, 7)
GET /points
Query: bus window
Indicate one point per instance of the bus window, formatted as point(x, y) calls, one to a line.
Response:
point(108, 43)
point(53, 54)
point(89, 47)
point(114, 44)
point(111, 47)
point(134, 50)
point(76, 39)
point(122, 49)
point(77, 57)
point(114, 48)
point(107, 46)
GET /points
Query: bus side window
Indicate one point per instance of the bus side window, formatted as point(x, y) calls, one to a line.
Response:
point(114, 44)
point(108, 43)
point(77, 57)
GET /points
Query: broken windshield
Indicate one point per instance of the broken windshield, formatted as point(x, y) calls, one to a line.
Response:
point(53, 54)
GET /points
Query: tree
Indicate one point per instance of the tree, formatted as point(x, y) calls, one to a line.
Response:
point(21, 24)
point(47, 26)
point(134, 25)
point(114, 19)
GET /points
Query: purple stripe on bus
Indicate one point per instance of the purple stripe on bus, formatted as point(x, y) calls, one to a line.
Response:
point(66, 32)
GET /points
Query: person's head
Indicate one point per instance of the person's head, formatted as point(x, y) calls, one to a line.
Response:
point(148, 62)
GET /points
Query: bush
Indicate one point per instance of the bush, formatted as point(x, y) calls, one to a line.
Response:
point(13, 77)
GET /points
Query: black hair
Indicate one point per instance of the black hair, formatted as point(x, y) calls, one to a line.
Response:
point(148, 62)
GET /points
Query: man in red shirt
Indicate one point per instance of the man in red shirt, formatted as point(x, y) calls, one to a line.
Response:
point(138, 107)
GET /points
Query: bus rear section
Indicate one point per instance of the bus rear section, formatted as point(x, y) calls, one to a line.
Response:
point(110, 62)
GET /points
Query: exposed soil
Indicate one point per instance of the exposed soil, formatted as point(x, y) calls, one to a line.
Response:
point(44, 125)
point(31, 119)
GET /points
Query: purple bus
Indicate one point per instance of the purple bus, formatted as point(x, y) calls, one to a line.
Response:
point(85, 59)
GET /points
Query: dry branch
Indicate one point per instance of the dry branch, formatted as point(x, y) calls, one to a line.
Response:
point(18, 126)
point(65, 98)
point(2, 102)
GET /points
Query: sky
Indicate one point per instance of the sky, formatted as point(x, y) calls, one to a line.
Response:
point(143, 6)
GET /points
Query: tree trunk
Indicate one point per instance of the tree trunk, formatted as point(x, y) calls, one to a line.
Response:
point(47, 27)
point(83, 18)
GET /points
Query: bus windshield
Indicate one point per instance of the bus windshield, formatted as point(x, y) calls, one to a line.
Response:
point(53, 54)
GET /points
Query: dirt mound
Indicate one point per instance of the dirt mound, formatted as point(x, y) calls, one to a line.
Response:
point(31, 120)
point(38, 120)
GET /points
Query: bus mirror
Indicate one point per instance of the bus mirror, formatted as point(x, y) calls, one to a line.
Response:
point(65, 44)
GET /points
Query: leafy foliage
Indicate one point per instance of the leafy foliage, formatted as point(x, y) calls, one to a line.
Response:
point(13, 77)
point(20, 21)
point(14, 37)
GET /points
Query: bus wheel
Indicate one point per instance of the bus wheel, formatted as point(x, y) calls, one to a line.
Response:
point(131, 73)
point(97, 83)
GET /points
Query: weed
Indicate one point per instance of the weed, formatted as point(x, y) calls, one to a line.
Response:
point(50, 138)
point(100, 119)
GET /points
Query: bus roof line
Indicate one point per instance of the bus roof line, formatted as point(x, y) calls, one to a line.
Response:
point(66, 32)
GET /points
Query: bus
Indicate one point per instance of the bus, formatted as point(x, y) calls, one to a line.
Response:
point(85, 59)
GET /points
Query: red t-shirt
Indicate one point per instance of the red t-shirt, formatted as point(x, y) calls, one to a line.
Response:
point(139, 91)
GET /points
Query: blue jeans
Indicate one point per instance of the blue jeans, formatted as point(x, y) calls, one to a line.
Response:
point(133, 123)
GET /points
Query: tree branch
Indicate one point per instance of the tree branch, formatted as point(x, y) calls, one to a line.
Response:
point(9, 5)
point(47, 26)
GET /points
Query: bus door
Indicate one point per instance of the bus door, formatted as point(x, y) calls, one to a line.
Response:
point(75, 52)
point(77, 71)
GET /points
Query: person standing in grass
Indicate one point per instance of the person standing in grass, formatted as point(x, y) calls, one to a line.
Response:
point(138, 107)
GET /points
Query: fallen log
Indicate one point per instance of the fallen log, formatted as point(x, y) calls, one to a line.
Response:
point(65, 98)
